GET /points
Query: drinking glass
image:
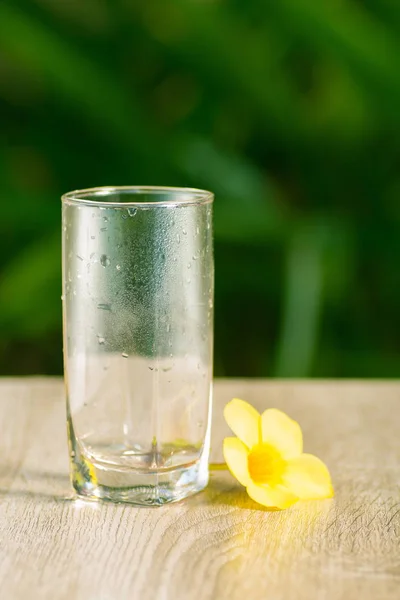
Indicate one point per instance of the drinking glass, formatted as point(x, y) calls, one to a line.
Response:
point(138, 287)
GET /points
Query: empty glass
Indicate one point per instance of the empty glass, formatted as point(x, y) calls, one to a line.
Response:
point(138, 284)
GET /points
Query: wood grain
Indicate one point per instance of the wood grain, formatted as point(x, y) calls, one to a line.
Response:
point(218, 544)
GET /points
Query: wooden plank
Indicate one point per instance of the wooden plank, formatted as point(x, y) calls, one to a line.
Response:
point(218, 544)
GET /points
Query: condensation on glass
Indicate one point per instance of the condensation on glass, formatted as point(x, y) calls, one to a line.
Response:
point(138, 287)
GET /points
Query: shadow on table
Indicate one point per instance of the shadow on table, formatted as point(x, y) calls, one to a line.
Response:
point(36, 495)
point(35, 485)
point(222, 490)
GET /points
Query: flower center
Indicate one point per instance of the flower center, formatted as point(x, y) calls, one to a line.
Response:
point(265, 464)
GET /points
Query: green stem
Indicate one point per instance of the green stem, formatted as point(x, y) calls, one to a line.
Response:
point(218, 467)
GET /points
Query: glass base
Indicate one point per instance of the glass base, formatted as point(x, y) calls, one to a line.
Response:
point(94, 481)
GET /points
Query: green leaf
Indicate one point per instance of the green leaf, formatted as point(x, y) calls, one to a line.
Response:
point(348, 33)
point(302, 305)
point(30, 290)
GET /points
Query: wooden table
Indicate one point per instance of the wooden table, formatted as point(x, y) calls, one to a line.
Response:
point(218, 544)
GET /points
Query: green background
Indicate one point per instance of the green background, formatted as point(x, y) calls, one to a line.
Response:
point(289, 110)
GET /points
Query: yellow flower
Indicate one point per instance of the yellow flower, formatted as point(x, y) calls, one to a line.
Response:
point(267, 457)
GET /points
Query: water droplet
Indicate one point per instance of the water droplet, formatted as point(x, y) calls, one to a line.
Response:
point(105, 219)
point(194, 257)
point(199, 366)
point(197, 231)
point(210, 303)
point(103, 228)
point(80, 257)
point(118, 267)
point(184, 231)
point(166, 369)
point(92, 237)
point(124, 215)
point(132, 211)
point(78, 275)
point(168, 328)
point(178, 238)
point(104, 306)
point(104, 260)
point(64, 228)
point(189, 265)
point(151, 368)
point(199, 423)
point(62, 298)
point(124, 355)
point(101, 340)
point(188, 280)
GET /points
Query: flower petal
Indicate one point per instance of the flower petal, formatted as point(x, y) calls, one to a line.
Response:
point(308, 478)
point(244, 420)
point(235, 454)
point(273, 497)
point(282, 432)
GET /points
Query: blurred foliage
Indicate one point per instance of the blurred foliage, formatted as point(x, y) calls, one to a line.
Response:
point(288, 110)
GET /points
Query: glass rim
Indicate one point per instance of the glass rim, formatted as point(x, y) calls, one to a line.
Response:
point(189, 196)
